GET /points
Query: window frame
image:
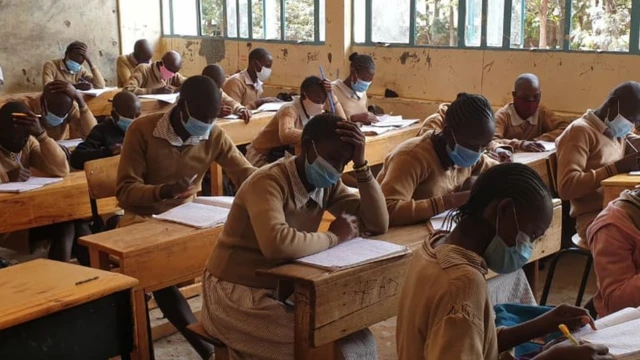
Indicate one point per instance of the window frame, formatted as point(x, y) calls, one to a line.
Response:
point(634, 35)
point(316, 24)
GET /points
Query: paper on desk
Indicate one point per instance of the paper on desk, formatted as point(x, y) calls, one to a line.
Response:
point(231, 117)
point(393, 120)
point(353, 253)
point(96, 92)
point(220, 201)
point(33, 183)
point(548, 145)
point(271, 106)
point(70, 143)
point(167, 98)
point(375, 130)
point(195, 215)
point(619, 317)
point(621, 339)
point(438, 221)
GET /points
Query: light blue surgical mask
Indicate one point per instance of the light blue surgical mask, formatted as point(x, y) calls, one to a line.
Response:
point(360, 85)
point(73, 66)
point(461, 156)
point(124, 122)
point(52, 119)
point(196, 127)
point(504, 259)
point(321, 173)
point(619, 126)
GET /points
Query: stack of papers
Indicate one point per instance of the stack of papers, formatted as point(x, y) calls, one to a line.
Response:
point(196, 215)
point(96, 92)
point(353, 253)
point(394, 121)
point(70, 143)
point(375, 130)
point(438, 221)
point(220, 201)
point(272, 106)
point(167, 98)
point(618, 331)
point(33, 183)
point(548, 145)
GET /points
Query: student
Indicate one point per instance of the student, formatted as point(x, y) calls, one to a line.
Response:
point(282, 226)
point(245, 87)
point(106, 138)
point(160, 77)
point(614, 240)
point(229, 105)
point(508, 209)
point(161, 154)
point(126, 64)
point(593, 148)
point(427, 175)
point(524, 122)
point(435, 121)
point(284, 131)
point(70, 69)
point(352, 91)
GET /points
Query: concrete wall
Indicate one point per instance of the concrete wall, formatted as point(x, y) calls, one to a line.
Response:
point(139, 19)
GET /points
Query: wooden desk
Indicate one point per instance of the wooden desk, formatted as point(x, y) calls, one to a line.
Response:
point(45, 314)
point(157, 253)
point(613, 186)
point(101, 105)
point(65, 201)
point(379, 146)
point(539, 162)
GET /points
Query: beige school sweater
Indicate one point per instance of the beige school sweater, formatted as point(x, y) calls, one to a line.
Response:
point(78, 124)
point(511, 130)
point(434, 121)
point(125, 65)
point(57, 70)
point(414, 181)
point(351, 102)
point(269, 224)
point(242, 89)
point(41, 153)
point(147, 77)
point(586, 156)
point(147, 162)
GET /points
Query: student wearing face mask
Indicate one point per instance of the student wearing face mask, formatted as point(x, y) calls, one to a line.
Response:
point(242, 309)
point(284, 131)
point(524, 122)
point(160, 77)
point(427, 175)
point(70, 69)
point(126, 64)
point(162, 153)
point(352, 91)
point(246, 87)
point(106, 138)
point(595, 147)
point(509, 207)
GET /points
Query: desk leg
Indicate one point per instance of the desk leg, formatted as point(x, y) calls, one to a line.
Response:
point(532, 272)
point(216, 180)
point(99, 259)
point(303, 347)
point(143, 346)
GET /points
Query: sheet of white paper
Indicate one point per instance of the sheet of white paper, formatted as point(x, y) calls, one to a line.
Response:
point(272, 106)
point(70, 143)
point(375, 130)
point(35, 180)
point(529, 157)
point(231, 117)
point(17, 187)
point(548, 145)
point(353, 252)
point(221, 201)
point(195, 215)
point(168, 98)
point(438, 221)
point(622, 339)
point(619, 317)
point(96, 92)
point(394, 120)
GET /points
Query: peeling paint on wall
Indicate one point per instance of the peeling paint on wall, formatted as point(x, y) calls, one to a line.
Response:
point(212, 49)
point(313, 56)
point(406, 56)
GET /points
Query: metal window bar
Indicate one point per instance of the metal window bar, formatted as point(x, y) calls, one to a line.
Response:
point(566, 40)
point(282, 20)
point(462, 17)
point(237, 19)
point(412, 22)
point(225, 31)
point(316, 20)
point(171, 17)
point(483, 23)
point(199, 17)
point(250, 19)
point(634, 36)
point(264, 19)
point(367, 22)
point(506, 23)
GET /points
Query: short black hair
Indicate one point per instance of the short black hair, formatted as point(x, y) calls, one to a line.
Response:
point(310, 83)
point(467, 109)
point(258, 54)
point(322, 128)
point(201, 91)
point(362, 62)
point(12, 107)
point(73, 46)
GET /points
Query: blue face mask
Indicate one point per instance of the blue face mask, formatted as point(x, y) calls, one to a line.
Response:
point(619, 126)
point(196, 127)
point(461, 156)
point(360, 85)
point(504, 259)
point(73, 66)
point(124, 123)
point(320, 173)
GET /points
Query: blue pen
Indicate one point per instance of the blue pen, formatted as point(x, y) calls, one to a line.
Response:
point(333, 107)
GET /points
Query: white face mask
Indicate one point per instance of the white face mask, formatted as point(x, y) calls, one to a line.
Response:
point(312, 108)
point(264, 74)
point(619, 126)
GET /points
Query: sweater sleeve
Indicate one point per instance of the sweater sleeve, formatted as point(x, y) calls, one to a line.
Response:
point(123, 70)
point(233, 163)
point(234, 89)
point(500, 139)
point(289, 134)
point(552, 125)
point(94, 77)
point(86, 120)
point(136, 80)
point(484, 164)
point(232, 103)
point(47, 156)
point(177, 80)
point(433, 122)
point(48, 73)
point(456, 336)
point(92, 148)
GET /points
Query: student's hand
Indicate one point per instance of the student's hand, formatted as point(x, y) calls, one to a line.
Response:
point(350, 133)
point(628, 163)
point(567, 351)
point(29, 122)
point(532, 146)
point(326, 84)
point(83, 86)
point(225, 111)
point(345, 227)
point(365, 118)
point(455, 200)
point(19, 175)
point(468, 183)
point(572, 316)
point(82, 51)
point(163, 90)
point(66, 88)
point(504, 156)
point(116, 149)
point(177, 190)
point(245, 114)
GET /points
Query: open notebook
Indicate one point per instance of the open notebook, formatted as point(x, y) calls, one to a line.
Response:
point(618, 331)
point(354, 252)
point(394, 121)
point(33, 183)
point(96, 92)
point(167, 98)
point(221, 201)
point(438, 221)
point(196, 215)
point(272, 106)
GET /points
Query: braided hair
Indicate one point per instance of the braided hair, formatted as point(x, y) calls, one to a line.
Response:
point(361, 62)
point(468, 109)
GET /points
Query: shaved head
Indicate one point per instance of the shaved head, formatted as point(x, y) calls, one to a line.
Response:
point(126, 104)
point(172, 61)
point(142, 51)
point(57, 103)
point(215, 73)
point(526, 95)
point(12, 138)
point(202, 97)
point(525, 81)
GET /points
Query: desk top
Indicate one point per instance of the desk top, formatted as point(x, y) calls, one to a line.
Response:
point(625, 180)
point(241, 133)
point(40, 287)
point(530, 157)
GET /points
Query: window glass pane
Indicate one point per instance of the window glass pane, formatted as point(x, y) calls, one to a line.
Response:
point(473, 23)
point(437, 22)
point(258, 19)
point(323, 20)
point(495, 23)
point(359, 10)
point(272, 25)
point(232, 20)
point(299, 18)
point(166, 18)
point(547, 34)
point(244, 19)
point(185, 17)
point(390, 21)
point(212, 17)
point(517, 24)
point(600, 25)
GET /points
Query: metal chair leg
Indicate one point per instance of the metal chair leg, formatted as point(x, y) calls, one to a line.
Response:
point(585, 277)
point(550, 275)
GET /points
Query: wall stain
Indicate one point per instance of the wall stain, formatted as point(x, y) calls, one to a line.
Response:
point(488, 67)
point(329, 57)
point(212, 49)
point(405, 56)
point(67, 23)
point(285, 53)
point(249, 45)
point(313, 56)
point(428, 60)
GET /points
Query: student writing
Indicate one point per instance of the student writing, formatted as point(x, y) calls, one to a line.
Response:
point(229, 104)
point(160, 77)
point(352, 91)
point(246, 87)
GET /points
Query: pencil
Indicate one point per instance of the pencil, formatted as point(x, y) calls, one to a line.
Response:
point(24, 115)
point(333, 106)
point(565, 331)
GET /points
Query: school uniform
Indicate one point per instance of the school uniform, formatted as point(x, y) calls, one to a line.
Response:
point(147, 77)
point(243, 89)
point(125, 66)
point(41, 153)
point(239, 307)
point(414, 180)
point(586, 156)
point(98, 144)
point(78, 123)
point(352, 102)
point(57, 70)
point(434, 121)
point(512, 130)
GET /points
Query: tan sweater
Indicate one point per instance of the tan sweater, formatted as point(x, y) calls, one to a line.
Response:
point(434, 121)
point(78, 124)
point(414, 182)
point(350, 102)
point(242, 89)
point(444, 307)
point(125, 65)
point(147, 162)
point(586, 156)
point(57, 70)
point(511, 130)
point(42, 154)
point(147, 77)
point(232, 103)
point(270, 222)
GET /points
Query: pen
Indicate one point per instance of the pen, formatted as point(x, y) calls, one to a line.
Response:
point(192, 179)
point(24, 115)
point(86, 280)
point(630, 144)
point(333, 107)
point(567, 334)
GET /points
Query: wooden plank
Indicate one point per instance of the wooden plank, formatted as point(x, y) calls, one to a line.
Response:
point(241, 133)
point(539, 162)
point(610, 193)
point(613, 186)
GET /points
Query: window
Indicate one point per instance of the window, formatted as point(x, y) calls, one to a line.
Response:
point(389, 23)
point(283, 20)
point(437, 22)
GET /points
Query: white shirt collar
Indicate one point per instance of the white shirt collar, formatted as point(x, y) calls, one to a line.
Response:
point(300, 195)
point(302, 116)
point(247, 80)
point(517, 121)
point(349, 91)
point(164, 130)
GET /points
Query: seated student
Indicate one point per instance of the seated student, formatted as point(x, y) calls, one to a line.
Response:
point(294, 193)
point(161, 154)
point(614, 240)
point(245, 87)
point(593, 148)
point(126, 64)
point(352, 91)
point(106, 138)
point(229, 105)
point(520, 124)
point(284, 131)
point(427, 175)
point(508, 209)
point(435, 121)
point(160, 77)
point(70, 69)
